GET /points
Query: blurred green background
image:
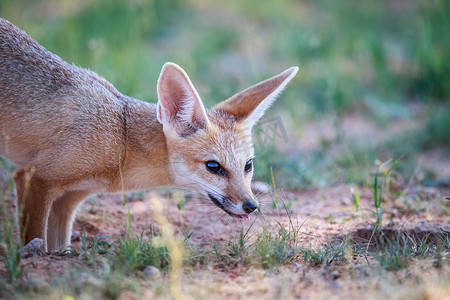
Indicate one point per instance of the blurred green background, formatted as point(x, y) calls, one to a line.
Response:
point(374, 80)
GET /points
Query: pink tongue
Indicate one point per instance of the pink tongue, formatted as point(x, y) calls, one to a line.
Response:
point(245, 217)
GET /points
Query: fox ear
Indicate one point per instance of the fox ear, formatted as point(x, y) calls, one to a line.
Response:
point(249, 105)
point(179, 105)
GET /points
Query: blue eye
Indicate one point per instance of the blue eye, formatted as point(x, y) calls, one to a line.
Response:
point(214, 167)
point(248, 166)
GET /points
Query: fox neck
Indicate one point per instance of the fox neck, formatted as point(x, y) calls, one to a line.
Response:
point(146, 159)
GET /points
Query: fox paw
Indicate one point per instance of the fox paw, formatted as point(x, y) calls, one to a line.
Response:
point(36, 247)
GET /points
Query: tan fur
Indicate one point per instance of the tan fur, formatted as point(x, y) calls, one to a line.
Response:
point(71, 134)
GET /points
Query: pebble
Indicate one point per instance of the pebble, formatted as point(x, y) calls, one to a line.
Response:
point(76, 236)
point(335, 275)
point(37, 283)
point(261, 188)
point(151, 271)
point(34, 248)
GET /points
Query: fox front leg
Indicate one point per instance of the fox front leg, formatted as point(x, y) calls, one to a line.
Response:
point(34, 198)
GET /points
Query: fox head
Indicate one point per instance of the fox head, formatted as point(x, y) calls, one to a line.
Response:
point(211, 150)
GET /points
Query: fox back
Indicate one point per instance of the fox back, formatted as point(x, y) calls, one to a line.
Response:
point(48, 106)
point(71, 133)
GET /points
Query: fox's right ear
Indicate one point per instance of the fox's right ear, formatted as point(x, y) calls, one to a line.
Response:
point(249, 105)
point(179, 105)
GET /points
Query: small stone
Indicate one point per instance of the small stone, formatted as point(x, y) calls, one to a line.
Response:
point(37, 283)
point(34, 248)
point(151, 271)
point(260, 188)
point(139, 207)
point(346, 201)
point(335, 275)
point(76, 236)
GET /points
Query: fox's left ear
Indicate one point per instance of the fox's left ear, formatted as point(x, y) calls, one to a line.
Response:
point(249, 105)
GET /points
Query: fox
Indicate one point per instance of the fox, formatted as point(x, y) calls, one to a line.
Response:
point(70, 134)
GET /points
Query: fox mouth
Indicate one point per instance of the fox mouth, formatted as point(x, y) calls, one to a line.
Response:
point(219, 204)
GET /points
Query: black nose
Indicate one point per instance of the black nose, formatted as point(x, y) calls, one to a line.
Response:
point(249, 206)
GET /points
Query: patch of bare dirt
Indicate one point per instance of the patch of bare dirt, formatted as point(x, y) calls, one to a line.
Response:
point(321, 213)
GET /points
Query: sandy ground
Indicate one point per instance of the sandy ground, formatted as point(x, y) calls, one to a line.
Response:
point(321, 214)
